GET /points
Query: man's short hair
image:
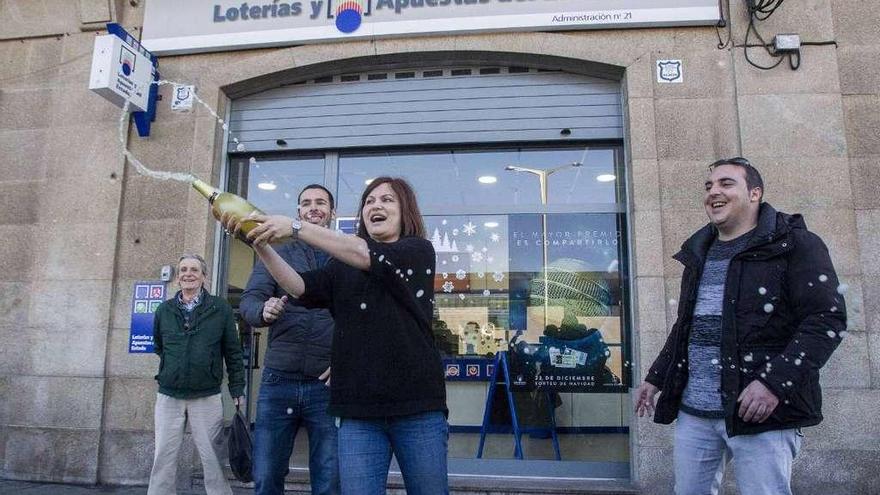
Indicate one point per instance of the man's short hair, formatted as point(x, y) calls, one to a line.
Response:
point(753, 177)
point(318, 186)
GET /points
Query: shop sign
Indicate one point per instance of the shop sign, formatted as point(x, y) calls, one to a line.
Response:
point(145, 298)
point(122, 70)
point(175, 27)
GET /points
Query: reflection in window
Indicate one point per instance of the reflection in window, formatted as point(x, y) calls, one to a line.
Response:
point(273, 185)
point(473, 179)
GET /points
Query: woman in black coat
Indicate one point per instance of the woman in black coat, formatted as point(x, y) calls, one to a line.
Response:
point(387, 385)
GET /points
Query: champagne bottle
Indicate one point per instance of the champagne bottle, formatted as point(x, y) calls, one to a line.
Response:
point(223, 202)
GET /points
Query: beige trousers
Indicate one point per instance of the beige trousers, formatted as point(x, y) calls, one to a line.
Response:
point(205, 416)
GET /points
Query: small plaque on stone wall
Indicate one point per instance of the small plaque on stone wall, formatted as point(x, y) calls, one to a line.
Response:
point(669, 71)
point(182, 98)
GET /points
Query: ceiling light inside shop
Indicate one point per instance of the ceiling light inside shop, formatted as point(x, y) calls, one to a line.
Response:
point(267, 186)
point(490, 225)
point(606, 178)
point(488, 179)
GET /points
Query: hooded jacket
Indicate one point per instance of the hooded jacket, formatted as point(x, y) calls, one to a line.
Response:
point(782, 317)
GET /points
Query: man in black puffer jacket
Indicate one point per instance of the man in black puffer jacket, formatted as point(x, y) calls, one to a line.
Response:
point(760, 312)
point(293, 392)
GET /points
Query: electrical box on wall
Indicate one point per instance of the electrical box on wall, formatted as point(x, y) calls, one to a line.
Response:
point(786, 42)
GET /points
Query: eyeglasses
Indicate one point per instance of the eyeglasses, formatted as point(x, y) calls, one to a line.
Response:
point(737, 160)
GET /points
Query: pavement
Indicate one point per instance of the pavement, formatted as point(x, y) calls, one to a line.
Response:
point(8, 487)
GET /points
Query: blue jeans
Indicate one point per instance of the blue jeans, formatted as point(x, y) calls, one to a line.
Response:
point(762, 462)
point(284, 405)
point(418, 441)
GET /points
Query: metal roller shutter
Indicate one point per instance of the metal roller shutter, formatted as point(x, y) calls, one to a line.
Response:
point(429, 106)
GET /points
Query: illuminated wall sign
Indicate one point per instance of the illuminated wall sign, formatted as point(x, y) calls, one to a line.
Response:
point(122, 70)
point(174, 27)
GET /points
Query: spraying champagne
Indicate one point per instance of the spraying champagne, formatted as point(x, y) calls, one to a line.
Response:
point(223, 202)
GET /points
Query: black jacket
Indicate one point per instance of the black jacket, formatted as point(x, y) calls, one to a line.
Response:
point(781, 319)
point(191, 359)
point(300, 339)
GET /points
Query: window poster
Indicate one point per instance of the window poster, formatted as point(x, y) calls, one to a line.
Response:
point(565, 311)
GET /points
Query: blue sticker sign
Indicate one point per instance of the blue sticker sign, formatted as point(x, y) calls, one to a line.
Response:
point(145, 299)
point(347, 225)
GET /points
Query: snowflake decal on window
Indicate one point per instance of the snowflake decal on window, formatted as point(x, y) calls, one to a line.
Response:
point(448, 286)
point(461, 274)
point(477, 257)
point(498, 276)
point(469, 228)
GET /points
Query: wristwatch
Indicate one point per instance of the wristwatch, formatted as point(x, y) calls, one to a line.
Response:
point(295, 227)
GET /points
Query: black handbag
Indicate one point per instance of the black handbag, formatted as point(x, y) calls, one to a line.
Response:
point(241, 454)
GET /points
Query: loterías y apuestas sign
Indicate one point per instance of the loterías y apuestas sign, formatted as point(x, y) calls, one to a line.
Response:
point(175, 27)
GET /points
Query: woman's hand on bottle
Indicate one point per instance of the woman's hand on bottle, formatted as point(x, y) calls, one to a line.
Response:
point(230, 222)
point(271, 228)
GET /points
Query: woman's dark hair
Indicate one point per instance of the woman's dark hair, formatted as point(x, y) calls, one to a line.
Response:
point(411, 222)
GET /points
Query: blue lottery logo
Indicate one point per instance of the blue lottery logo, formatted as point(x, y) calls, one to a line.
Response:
point(126, 61)
point(348, 16)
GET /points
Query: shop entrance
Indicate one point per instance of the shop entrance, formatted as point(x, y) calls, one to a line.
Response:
point(531, 263)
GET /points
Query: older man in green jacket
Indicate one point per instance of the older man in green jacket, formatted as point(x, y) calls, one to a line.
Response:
point(193, 334)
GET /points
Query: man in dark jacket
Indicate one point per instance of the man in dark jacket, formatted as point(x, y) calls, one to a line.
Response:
point(760, 311)
point(297, 365)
